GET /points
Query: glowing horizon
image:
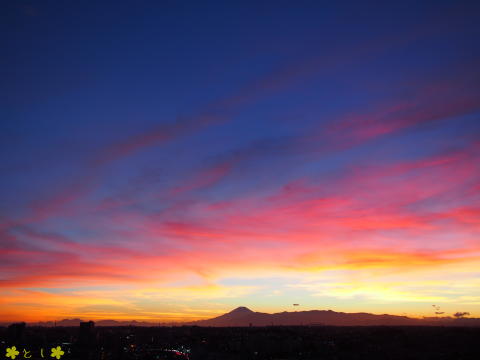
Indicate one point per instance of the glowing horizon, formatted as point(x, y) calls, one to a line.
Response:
point(144, 180)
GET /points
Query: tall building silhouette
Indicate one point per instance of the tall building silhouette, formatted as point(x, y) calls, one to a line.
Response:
point(87, 340)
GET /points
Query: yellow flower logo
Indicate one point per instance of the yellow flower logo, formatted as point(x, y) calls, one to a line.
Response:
point(57, 352)
point(12, 352)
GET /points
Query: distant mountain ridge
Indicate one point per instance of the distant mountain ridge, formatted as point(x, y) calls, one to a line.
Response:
point(243, 316)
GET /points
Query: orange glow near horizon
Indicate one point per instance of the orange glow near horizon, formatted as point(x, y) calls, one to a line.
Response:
point(343, 252)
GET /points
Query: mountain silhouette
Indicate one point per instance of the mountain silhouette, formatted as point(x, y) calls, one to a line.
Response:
point(240, 315)
point(243, 316)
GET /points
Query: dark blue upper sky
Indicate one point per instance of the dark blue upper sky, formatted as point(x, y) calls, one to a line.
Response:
point(78, 75)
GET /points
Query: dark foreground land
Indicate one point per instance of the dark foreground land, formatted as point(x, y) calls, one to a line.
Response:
point(276, 342)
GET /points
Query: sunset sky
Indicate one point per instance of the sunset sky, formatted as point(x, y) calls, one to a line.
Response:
point(172, 160)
